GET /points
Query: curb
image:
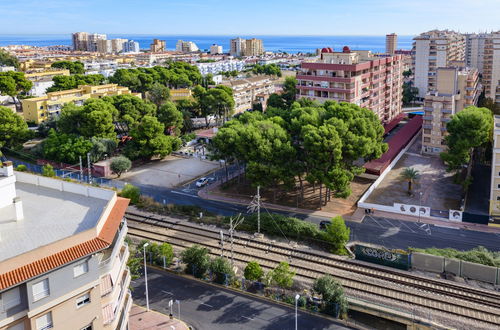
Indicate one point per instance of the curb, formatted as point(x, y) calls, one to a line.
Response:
point(231, 289)
point(155, 311)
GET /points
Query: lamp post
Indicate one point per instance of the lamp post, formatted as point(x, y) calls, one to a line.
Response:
point(297, 296)
point(420, 207)
point(146, 275)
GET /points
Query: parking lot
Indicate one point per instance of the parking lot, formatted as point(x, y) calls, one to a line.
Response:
point(170, 172)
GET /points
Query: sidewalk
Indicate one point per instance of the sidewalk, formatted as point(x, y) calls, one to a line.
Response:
point(357, 216)
point(140, 319)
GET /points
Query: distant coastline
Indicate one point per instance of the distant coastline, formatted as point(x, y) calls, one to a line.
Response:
point(289, 44)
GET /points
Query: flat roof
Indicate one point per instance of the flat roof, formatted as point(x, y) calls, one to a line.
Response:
point(50, 215)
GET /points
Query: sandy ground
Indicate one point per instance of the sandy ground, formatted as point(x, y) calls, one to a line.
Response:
point(169, 172)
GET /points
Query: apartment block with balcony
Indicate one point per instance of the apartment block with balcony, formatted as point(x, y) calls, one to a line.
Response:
point(248, 91)
point(356, 77)
point(41, 108)
point(432, 50)
point(158, 46)
point(474, 50)
point(495, 174)
point(43, 79)
point(63, 255)
point(456, 89)
point(491, 66)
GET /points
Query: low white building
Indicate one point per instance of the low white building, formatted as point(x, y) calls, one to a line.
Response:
point(220, 66)
point(216, 49)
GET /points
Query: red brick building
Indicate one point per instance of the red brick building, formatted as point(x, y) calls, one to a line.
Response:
point(356, 77)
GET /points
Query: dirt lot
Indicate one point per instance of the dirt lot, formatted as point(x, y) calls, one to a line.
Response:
point(437, 187)
point(169, 172)
point(338, 206)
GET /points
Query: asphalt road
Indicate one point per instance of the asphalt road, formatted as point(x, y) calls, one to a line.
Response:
point(203, 306)
point(375, 230)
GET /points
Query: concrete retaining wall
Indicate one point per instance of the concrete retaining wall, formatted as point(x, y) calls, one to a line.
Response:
point(479, 272)
point(427, 262)
point(473, 271)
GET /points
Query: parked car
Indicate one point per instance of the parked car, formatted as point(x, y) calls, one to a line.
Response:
point(201, 182)
point(323, 224)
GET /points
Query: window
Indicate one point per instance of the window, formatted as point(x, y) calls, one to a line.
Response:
point(427, 139)
point(44, 322)
point(19, 326)
point(81, 269)
point(88, 327)
point(83, 300)
point(498, 198)
point(10, 299)
point(41, 289)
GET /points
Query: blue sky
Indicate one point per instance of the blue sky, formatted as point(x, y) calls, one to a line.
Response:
point(259, 17)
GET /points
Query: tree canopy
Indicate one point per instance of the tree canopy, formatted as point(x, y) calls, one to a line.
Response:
point(8, 60)
point(74, 67)
point(468, 129)
point(319, 143)
point(64, 147)
point(13, 83)
point(267, 69)
point(70, 82)
point(13, 129)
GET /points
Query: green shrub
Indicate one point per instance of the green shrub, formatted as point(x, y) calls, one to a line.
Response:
point(253, 271)
point(479, 255)
point(131, 192)
point(48, 170)
point(21, 168)
point(196, 259)
point(222, 270)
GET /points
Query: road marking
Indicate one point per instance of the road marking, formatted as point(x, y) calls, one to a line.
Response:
point(170, 293)
point(202, 303)
point(401, 222)
point(248, 318)
point(376, 221)
point(181, 193)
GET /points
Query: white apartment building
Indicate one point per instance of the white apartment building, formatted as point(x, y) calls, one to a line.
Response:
point(491, 66)
point(104, 46)
point(216, 49)
point(186, 46)
point(63, 255)
point(248, 91)
point(220, 66)
point(131, 46)
point(474, 50)
point(237, 47)
point(432, 50)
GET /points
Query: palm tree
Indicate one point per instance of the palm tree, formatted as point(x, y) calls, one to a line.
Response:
point(411, 175)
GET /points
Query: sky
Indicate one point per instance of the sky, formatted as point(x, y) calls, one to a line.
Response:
point(258, 17)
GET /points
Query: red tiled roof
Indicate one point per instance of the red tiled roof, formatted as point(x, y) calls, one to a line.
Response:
point(396, 144)
point(104, 239)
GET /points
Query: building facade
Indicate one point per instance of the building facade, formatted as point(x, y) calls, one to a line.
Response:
point(215, 49)
point(391, 43)
point(248, 91)
point(93, 41)
point(495, 173)
point(42, 80)
point(186, 46)
point(131, 46)
point(456, 89)
point(80, 41)
point(355, 77)
point(253, 47)
point(432, 50)
point(158, 46)
point(474, 50)
point(220, 66)
point(74, 276)
point(41, 108)
point(237, 47)
point(491, 66)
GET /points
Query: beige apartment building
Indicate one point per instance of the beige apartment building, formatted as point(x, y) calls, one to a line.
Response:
point(80, 41)
point(474, 50)
point(253, 47)
point(356, 77)
point(391, 43)
point(63, 255)
point(252, 90)
point(43, 79)
point(41, 108)
point(495, 172)
point(491, 67)
point(158, 46)
point(432, 50)
point(456, 89)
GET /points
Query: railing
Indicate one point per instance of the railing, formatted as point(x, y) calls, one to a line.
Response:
point(41, 295)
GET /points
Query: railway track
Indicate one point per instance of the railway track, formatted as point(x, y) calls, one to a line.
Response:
point(443, 296)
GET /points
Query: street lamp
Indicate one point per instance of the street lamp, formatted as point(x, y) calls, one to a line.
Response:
point(297, 296)
point(146, 275)
point(420, 207)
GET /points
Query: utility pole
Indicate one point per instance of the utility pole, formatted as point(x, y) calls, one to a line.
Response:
point(221, 243)
point(81, 168)
point(89, 170)
point(232, 227)
point(258, 210)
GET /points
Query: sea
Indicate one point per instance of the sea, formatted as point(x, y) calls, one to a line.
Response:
point(289, 44)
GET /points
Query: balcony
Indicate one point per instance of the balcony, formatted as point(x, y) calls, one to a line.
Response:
point(446, 111)
point(445, 120)
point(428, 117)
point(427, 126)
